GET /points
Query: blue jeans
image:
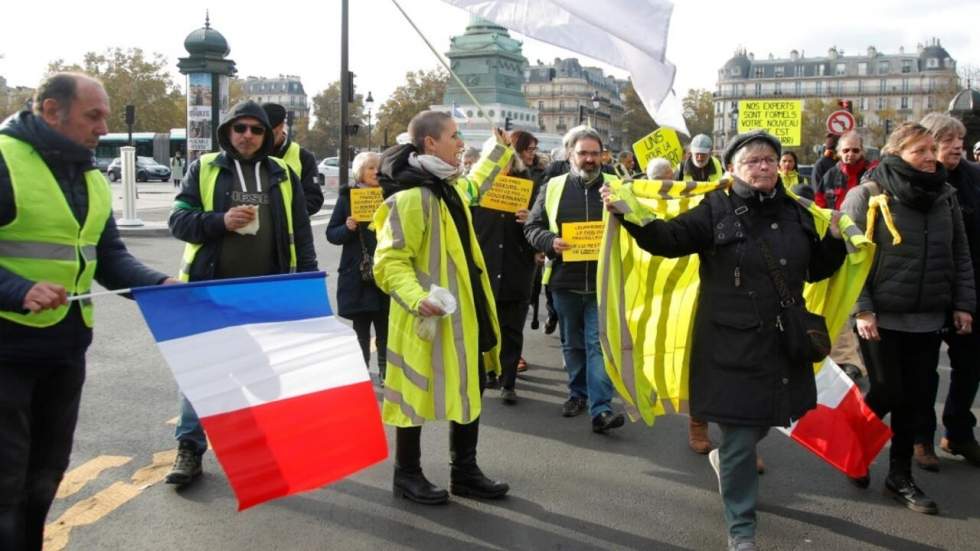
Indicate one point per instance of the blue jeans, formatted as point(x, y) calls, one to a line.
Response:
point(189, 427)
point(578, 318)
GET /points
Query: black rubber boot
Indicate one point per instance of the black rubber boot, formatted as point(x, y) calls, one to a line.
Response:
point(409, 481)
point(466, 478)
point(900, 485)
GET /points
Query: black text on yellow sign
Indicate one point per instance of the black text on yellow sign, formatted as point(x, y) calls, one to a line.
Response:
point(508, 194)
point(781, 118)
point(585, 239)
point(662, 142)
point(364, 202)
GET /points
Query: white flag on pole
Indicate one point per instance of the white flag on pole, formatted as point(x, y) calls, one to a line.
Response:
point(629, 34)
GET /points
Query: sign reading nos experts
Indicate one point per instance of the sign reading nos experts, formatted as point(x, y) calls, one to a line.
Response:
point(781, 118)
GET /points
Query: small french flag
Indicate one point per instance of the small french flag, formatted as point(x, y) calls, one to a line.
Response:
point(842, 430)
point(278, 382)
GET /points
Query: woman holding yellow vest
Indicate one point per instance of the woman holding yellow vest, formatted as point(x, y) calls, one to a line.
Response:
point(442, 330)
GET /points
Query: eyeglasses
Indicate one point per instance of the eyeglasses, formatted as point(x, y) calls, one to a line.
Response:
point(240, 128)
point(758, 161)
point(851, 150)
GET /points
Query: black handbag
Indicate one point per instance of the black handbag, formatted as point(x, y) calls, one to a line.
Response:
point(367, 261)
point(804, 333)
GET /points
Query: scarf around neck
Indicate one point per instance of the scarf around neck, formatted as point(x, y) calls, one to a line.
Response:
point(909, 185)
point(434, 166)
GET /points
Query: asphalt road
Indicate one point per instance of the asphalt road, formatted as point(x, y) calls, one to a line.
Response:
point(638, 488)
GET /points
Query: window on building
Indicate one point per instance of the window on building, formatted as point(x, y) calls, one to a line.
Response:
point(864, 104)
point(862, 69)
point(797, 88)
point(540, 106)
point(883, 67)
point(819, 89)
point(758, 72)
point(779, 89)
point(840, 69)
point(882, 86)
point(758, 88)
point(821, 70)
point(932, 84)
point(905, 102)
point(930, 102)
point(907, 66)
point(905, 85)
point(949, 63)
point(932, 63)
point(882, 103)
point(779, 70)
point(735, 71)
point(860, 86)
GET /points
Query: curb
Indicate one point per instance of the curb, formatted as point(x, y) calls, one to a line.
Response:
point(148, 229)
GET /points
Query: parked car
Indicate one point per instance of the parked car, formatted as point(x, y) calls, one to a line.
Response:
point(146, 169)
point(329, 170)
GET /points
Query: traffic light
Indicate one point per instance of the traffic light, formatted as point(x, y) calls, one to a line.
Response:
point(506, 123)
point(845, 104)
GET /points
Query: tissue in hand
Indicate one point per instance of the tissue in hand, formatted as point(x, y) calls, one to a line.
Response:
point(252, 227)
point(425, 327)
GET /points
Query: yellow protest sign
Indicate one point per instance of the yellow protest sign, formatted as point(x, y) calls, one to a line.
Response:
point(585, 239)
point(781, 118)
point(508, 194)
point(662, 142)
point(363, 202)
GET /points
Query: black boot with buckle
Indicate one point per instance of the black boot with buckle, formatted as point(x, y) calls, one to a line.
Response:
point(466, 478)
point(409, 482)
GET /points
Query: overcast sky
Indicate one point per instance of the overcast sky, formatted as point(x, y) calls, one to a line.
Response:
point(268, 39)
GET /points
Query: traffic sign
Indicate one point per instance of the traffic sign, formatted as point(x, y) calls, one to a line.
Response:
point(840, 122)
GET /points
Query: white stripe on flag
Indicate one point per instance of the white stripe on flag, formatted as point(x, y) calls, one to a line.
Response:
point(832, 384)
point(238, 367)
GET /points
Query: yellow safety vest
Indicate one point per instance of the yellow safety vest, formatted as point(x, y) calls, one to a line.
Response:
point(552, 197)
point(44, 242)
point(418, 246)
point(207, 178)
point(718, 170)
point(791, 178)
point(291, 157)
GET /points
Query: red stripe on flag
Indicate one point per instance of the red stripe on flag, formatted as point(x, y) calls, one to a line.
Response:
point(297, 444)
point(848, 437)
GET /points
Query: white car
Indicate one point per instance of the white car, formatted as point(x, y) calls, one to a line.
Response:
point(329, 168)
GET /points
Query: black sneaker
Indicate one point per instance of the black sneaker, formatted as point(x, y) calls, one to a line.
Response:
point(550, 325)
point(607, 420)
point(508, 395)
point(904, 490)
point(573, 407)
point(187, 465)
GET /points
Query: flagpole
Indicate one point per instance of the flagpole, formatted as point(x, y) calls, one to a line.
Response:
point(444, 64)
point(73, 298)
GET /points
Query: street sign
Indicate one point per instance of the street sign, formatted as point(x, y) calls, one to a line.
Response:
point(840, 122)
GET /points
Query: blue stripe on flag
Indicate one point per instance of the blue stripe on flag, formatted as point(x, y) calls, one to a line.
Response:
point(174, 311)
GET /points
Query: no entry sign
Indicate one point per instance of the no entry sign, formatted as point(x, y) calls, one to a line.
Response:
point(840, 122)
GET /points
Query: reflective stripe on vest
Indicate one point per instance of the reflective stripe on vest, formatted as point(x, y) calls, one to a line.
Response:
point(292, 159)
point(207, 179)
point(552, 198)
point(44, 241)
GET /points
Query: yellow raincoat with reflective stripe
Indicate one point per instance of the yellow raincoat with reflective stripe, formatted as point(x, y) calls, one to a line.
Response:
point(418, 246)
point(648, 356)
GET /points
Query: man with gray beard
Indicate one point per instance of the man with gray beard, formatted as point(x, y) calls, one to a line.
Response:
point(565, 199)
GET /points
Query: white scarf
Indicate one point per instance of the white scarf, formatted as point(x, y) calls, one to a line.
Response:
point(434, 166)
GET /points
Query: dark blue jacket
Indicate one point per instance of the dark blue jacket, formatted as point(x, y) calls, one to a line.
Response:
point(354, 296)
point(117, 268)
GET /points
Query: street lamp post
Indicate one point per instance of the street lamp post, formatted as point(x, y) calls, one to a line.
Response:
point(595, 107)
point(369, 101)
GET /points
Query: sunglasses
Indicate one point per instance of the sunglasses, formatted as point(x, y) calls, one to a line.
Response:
point(241, 127)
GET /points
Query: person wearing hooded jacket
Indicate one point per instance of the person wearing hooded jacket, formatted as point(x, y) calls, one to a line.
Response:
point(215, 213)
point(438, 356)
point(52, 198)
point(297, 157)
point(922, 271)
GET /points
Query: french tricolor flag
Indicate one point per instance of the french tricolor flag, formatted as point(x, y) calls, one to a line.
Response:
point(842, 430)
point(278, 382)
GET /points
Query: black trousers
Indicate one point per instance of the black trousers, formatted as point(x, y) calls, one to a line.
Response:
point(362, 326)
point(964, 378)
point(39, 402)
point(511, 314)
point(900, 367)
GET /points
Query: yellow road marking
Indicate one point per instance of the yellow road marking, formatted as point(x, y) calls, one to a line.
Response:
point(93, 509)
point(77, 478)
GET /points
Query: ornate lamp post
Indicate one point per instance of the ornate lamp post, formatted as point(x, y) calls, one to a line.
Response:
point(369, 101)
point(595, 107)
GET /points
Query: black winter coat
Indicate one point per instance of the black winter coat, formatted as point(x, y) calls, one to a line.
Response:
point(931, 270)
point(506, 252)
point(117, 268)
point(966, 179)
point(354, 295)
point(309, 179)
point(579, 203)
point(740, 373)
